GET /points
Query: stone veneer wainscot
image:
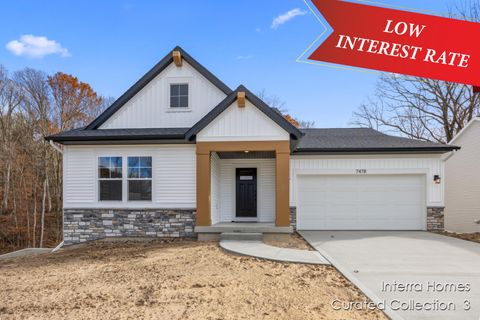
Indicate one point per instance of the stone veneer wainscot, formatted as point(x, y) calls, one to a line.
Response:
point(81, 225)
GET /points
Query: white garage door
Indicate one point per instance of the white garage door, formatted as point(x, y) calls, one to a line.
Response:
point(361, 202)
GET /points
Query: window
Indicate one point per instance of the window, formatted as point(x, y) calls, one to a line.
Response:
point(110, 178)
point(179, 95)
point(139, 178)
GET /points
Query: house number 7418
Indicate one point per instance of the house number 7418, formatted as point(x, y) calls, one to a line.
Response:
point(361, 171)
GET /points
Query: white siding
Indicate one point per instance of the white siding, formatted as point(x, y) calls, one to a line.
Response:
point(265, 187)
point(79, 165)
point(462, 197)
point(215, 185)
point(242, 124)
point(173, 176)
point(150, 108)
point(428, 165)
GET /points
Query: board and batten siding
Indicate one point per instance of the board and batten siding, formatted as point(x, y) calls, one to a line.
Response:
point(462, 196)
point(173, 176)
point(242, 124)
point(265, 187)
point(427, 165)
point(150, 108)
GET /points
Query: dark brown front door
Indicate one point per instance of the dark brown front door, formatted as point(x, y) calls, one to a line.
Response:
point(246, 189)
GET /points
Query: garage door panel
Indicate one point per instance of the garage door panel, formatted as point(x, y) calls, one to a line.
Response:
point(361, 202)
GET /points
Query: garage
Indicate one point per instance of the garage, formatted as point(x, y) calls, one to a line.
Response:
point(361, 202)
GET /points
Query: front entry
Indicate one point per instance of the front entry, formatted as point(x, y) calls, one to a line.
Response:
point(246, 193)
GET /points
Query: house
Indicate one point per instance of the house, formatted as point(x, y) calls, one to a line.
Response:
point(180, 154)
point(462, 178)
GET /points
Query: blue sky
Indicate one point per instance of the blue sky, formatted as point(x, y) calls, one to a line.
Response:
point(110, 44)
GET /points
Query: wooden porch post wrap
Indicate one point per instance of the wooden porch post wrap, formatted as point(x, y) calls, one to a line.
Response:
point(203, 189)
point(282, 181)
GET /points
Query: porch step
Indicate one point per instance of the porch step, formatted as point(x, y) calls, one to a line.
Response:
point(236, 227)
point(241, 236)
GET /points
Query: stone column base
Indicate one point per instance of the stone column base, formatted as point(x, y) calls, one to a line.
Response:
point(435, 219)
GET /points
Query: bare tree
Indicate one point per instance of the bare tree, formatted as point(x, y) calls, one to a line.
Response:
point(10, 99)
point(32, 106)
point(279, 105)
point(421, 108)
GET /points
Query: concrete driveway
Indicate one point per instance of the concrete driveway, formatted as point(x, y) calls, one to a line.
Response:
point(410, 270)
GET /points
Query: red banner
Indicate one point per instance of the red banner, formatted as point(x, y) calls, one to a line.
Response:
point(401, 42)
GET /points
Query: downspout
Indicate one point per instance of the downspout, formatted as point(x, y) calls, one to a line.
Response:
point(54, 146)
point(451, 154)
point(59, 150)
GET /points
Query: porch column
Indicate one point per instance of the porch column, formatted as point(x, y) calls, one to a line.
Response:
point(282, 182)
point(203, 188)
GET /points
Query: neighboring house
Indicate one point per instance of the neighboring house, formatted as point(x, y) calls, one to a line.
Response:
point(462, 188)
point(181, 154)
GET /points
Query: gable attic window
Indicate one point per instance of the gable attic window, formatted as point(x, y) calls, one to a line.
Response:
point(179, 95)
point(110, 178)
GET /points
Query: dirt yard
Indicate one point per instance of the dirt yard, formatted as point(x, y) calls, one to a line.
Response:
point(474, 237)
point(169, 280)
point(293, 241)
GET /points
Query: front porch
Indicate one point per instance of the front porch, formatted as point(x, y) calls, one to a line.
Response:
point(243, 186)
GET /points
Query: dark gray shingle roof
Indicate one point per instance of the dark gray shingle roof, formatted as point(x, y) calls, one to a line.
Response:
point(313, 141)
point(362, 140)
point(82, 134)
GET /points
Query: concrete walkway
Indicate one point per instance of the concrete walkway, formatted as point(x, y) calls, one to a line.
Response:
point(25, 253)
point(258, 249)
point(416, 275)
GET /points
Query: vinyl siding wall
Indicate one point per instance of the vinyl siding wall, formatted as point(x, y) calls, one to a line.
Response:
point(427, 165)
point(173, 176)
point(462, 203)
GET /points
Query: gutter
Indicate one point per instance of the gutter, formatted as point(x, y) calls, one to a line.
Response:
point(375, 150)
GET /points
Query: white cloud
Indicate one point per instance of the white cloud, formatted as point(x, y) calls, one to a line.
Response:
point(287, 16)
point(245, 57)
point(36, 47)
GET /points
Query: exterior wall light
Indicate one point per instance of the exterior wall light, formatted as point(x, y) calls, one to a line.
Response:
point(437, 179)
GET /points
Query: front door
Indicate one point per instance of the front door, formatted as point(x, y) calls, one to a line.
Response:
point(246, 189)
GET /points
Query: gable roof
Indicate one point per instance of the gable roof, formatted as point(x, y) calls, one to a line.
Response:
point(362, 140)
point(257, 102)
point(149, 76)
point(458, 135)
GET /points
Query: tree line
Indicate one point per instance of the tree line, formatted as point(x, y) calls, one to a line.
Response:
point(33, 105)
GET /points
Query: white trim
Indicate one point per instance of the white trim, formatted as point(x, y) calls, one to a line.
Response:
point(190, 82)
point(464, 129)
point(354, 172)
point(98, 179)
point(141, 179)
